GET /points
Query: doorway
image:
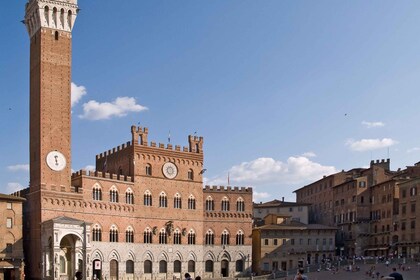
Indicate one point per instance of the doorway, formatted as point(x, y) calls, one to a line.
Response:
point(225, 268)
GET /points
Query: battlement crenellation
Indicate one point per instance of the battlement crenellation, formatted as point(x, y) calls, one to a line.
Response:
point(227, 189)
point(99, 174)
point(113, 150)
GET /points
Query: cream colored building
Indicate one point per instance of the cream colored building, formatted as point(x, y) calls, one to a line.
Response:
point(11, 242)
point(283, 244)
point(297, 211)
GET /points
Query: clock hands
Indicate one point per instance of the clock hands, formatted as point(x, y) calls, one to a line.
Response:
point(56, 159)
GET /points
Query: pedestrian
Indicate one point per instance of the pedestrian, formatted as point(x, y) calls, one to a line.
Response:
point(300, 275)
point(187, 276)
point(197, 278)
point(396, 275)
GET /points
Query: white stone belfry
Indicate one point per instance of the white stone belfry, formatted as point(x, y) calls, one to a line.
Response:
point(57, 15)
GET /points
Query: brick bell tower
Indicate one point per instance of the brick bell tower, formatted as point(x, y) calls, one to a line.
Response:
point(49, 24)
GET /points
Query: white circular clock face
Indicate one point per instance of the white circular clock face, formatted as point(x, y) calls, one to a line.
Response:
point(170, 170)
point(56, 161)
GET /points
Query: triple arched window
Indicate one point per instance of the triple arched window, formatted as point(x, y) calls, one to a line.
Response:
point(147, 236)
point(177, 236)
point(225, 204)
point(113, 234)
point(163, 200)
point(209, 204)
point(191, 237)
point(97, 233)
point(240, 237)
point(209, 237)
point(225, 238)
point(129, 196)
point(96, 192)
point(147, 198)
point(240, 205)
point(129, 235)
point(177, 201)
point(163, 237)
point(113, 194)
point(191, 202)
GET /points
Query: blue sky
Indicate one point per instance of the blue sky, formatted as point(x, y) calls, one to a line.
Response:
point(283, 92)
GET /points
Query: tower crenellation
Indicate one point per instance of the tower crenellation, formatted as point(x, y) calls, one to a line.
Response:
point(57, 15)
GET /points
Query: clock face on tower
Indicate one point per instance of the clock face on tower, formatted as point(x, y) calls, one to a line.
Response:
point(170, 170)
point(56, 160)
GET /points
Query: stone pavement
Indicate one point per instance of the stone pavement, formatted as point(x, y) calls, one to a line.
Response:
point(412, 274)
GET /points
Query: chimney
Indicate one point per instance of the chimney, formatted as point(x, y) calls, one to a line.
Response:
point(282, 199)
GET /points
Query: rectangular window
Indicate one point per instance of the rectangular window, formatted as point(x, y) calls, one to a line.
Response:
point(9, 205)
point(266, 242)
point(9, 223)
point(413, 208)
point(275, 241)
point(292, 241)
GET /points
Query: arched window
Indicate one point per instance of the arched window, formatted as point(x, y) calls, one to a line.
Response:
point(147, 236)
point(177, 201)
point(62, 18)
point(96, 192)
point(129, 196)
point(163, 237)
point(191, 266)
point(129, 267)
point(225, 238)
point(113, 234)
point(190, 174)
point(177, 266)
point(54, 17)
point(225, 204)
point(209, 204)
point(240, 238)
point(163, 266)
point(147, 199)
point(148, 267)
point(209, 266)
point(177, 237)
point(69, 16)
point(113, 194)
point(47, 15)
point(163, 200)
point(191, 237)
point(240, 205)
point(148, 170)
point(209, 237)
point(129, 235)
point(96, 233)
point(191, 202)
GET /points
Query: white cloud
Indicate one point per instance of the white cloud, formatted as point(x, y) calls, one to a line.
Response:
point(258, 196)
point(372, 124)
point(120, 107)
point(18, 167)
point(370, 144)
point(89, 168)
point(13, 187)
point(413, 150)
point(260, 171)
point(309, 154)
point(77, 93)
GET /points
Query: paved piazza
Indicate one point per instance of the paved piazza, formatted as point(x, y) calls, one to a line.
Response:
point(412, 274)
